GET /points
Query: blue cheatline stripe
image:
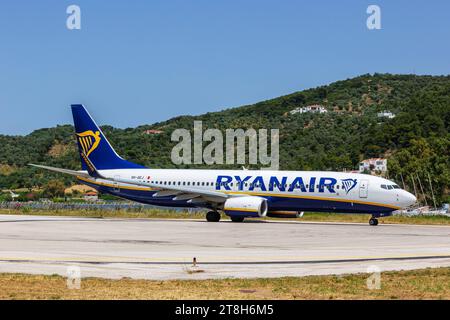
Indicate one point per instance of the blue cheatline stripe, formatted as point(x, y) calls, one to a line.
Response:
point(241, 213)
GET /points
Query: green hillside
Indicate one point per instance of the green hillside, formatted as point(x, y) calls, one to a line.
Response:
point(416, 141)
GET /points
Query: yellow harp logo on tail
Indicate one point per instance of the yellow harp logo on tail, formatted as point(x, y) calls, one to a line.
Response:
point(89, 141)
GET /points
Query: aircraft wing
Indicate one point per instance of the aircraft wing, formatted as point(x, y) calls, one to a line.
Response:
point(179, 192)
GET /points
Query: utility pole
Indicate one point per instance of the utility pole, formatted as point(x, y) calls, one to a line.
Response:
point(431, 187)
point(421, 188)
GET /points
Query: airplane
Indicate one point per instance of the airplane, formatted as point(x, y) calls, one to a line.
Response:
point(239, 194)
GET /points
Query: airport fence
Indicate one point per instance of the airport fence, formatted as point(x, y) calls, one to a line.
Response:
point(71, 206)
point(415, 213)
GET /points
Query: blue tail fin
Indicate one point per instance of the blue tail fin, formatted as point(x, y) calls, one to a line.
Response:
point(93, 144)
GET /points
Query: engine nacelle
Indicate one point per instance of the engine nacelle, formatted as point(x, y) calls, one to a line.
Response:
point(246, 207)
point(285, 214)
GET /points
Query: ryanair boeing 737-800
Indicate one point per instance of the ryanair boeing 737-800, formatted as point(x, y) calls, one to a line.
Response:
point(239, 194)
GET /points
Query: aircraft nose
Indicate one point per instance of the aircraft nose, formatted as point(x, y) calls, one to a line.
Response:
point(409, 198)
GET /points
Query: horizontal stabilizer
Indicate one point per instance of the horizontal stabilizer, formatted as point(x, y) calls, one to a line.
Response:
point(75, 173)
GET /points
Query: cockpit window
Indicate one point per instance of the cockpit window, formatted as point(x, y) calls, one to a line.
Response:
point(389, 186)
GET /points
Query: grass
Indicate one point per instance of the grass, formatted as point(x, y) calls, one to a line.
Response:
point(184, 214)
point(92, 213)
point(417, 284)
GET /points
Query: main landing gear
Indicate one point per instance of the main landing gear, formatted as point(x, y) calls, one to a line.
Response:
point(373, 221)
point(213, 216)
point(237, 219)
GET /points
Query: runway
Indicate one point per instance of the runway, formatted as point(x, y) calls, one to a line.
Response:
point(164, 249)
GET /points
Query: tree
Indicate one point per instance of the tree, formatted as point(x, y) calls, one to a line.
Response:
point(54, 188)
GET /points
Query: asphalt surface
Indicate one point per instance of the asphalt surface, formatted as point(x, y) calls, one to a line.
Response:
point(164, 249)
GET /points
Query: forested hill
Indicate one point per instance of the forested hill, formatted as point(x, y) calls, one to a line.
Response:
point(416, 141)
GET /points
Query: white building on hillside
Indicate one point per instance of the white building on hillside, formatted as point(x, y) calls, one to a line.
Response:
point(386, 114)
point(373, 164)
point(315, 108)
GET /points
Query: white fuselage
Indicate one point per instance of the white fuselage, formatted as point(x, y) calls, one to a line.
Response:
point(285, 190)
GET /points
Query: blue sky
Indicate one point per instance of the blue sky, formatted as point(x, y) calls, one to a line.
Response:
point(139, 62)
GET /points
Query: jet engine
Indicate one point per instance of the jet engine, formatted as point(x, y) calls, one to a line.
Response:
point(246, 207)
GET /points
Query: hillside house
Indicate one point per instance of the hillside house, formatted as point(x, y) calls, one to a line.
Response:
point(373, 164)
point(386, 114)
point(91, 196)
point(315, 108)
point(152, 131)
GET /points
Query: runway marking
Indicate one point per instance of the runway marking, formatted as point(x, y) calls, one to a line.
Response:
point(184, 261)
point(38, 218)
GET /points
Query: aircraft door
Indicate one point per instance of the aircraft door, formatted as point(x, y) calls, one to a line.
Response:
point(116, 184)
point(364, 188)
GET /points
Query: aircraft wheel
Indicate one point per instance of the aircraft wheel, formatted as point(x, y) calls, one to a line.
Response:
point(213, 216)
point(237, 219)
point(373, 221)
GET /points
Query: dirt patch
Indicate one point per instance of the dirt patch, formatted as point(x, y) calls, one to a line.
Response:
point(59, 149)
point(6, 169)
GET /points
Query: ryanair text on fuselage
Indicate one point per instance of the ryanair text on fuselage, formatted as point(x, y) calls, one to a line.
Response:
point(282, 184)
